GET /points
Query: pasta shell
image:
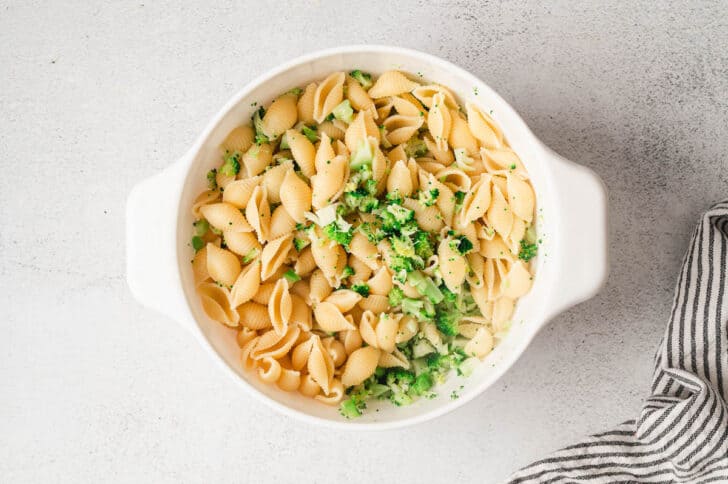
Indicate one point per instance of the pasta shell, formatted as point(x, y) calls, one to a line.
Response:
point(199, 266)
point(246, 285)
point(274, 255)
point(460, 135)
point(428, 218)
point(483, 127)
point(305, 264)
point(452, 265)
point(324, 153)
point(399, 180)
point(328, 95)
point(262, 296)
point(333, 131)
point(248, 362)
point(320, 287)
point(442, 155)
point(281, 115)
point(203, 199)
point(305, 104)
point(351, 340)
point(407, 329)
point(273, 179)
point(361, 270)
point(344, 299)
point(455, 178)
point(360, 130)
point(269, 370)
point(476, 201)
point(521, 198)
point(360, 366)
point(502, 312)
point(280, 307)
point(401, 128)
point(222, 265)
point(330, 318)
point(295, 195)
point(303, 152)
point(281, 223)
point(254, 316)
point(301, 312)
point(238, 193)
point(357, 96)
point(407, 105)
point(225, 217)
point(383, 106)
point(499, 214)
point(367, 325)
point(336, 350)
point(397, 154)
point(386, 331)
point(256, 160)
point(335, 394)
point(242, 243)
point(364, 250)
point(391, 83)
point(517, 282)
point(426, 93)
point(216, 304)
point(289, 381)
point(245, 335)
point(375, 303)
point(494, 248)
point(320, 365)
point(381, 283)
point(481, 344)
point(439, 122)
point(239, 139)
point(258, 213)
point(394, 359)
point(275, 345)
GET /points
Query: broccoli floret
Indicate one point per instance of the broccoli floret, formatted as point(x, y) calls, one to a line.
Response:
point(231, 166)
point(361, 200)
point(421, 309)
point(422, 383)
point(296, 91)
point(212, 179)
point(362, 156)
point(401, 215)
point(361, 288)
point(403, 246)
point(395, 296)
point(339, 232)
point(447, 320)
point(370, 186)
point(461, 244)
point(344, 112)
point(250, 256)
point(459, 197)
point(528, 251)
point(349, 409)
point(260, 136)
point(197, 243)
point(363, 78)
point(300, 244)
point(399, 263)
point(424, 247)
point(425, 286)
point(201, 227)
point(415, 148)
point(310, 133)
point(400, 377)
point(348, 272)
point(330, 117)
point(373, 233)
point(291, 275)
point(429, 197)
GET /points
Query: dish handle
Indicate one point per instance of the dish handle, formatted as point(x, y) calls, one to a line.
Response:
point(581, 235)
point(152, 269)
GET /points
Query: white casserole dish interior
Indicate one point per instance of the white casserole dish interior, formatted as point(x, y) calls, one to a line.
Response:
point(571, 221)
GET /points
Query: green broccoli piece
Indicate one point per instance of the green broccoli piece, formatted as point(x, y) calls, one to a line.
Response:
point(300, 244)
point(401, 214)
point(361, 200)
point(425, 286)
point(447, 320)
point(383, 136)
point(461, 244)
point(373, 233)
point(330, 117)
point(231, 166)
point(344, 112)
point(250, 256)
point(260, 136)
point(212, 179)
point(361, 288)
point(310, 133)
point(528, 251)
point(201, 227)
point(459, 197)
point(296, 91)
point(421, 309)
point(335, 231)
point(403, 246)
point(362, 78)
point(370, 186)
point(362, 156)
point(424, 247)
point(399, 264)
point(429, 197)
point(291, 275)
point(423, 382)
point(349, 408)
point(348, 272)
point(197, 243)
point(395, 296)
point(415, 148)
point(284, 143)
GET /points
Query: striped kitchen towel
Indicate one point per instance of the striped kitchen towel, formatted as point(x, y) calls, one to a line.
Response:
point(682, 433)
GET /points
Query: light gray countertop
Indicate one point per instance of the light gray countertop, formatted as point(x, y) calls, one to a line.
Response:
point(99, 95)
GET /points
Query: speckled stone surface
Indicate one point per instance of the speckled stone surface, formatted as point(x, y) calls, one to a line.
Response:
point(95, 96)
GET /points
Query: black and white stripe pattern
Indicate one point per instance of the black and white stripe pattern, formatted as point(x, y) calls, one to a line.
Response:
point(682, 433)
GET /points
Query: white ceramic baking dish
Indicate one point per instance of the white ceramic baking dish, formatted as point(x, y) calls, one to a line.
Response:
point(572, 210)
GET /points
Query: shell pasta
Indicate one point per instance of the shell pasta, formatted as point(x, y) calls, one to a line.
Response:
point(365, 236)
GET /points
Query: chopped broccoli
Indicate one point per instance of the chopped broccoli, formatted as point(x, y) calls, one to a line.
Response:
point(423, 382)
point(370, 186)
point(415, 148)
point(528, 251)
point(425, 286)
point(300, 244)
point(461, 244)
point(291, 275)
point(339, 231)
point(310, 133)
point(429, 197)
point(361, 288)
point(250, 256)
point(403, 246)
point(394, 197)
point(401, 215)
point(212, 179)
point(260, 136)
point(362, 156)
point(383, 136)
point(197, 243)
point(363, 78)
point(330, 117)
point(360, 199)
point(406, 264)
point(395, 296)
point(349, 408)
point(421, 309)
point(424, 247)
point(373, 233)
point(446, 321)
point(284, 143)
point(348, 272)
point(296, 91)
point(459, 197)
point(201, 227)
point(344, 112)
point(231, 166)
